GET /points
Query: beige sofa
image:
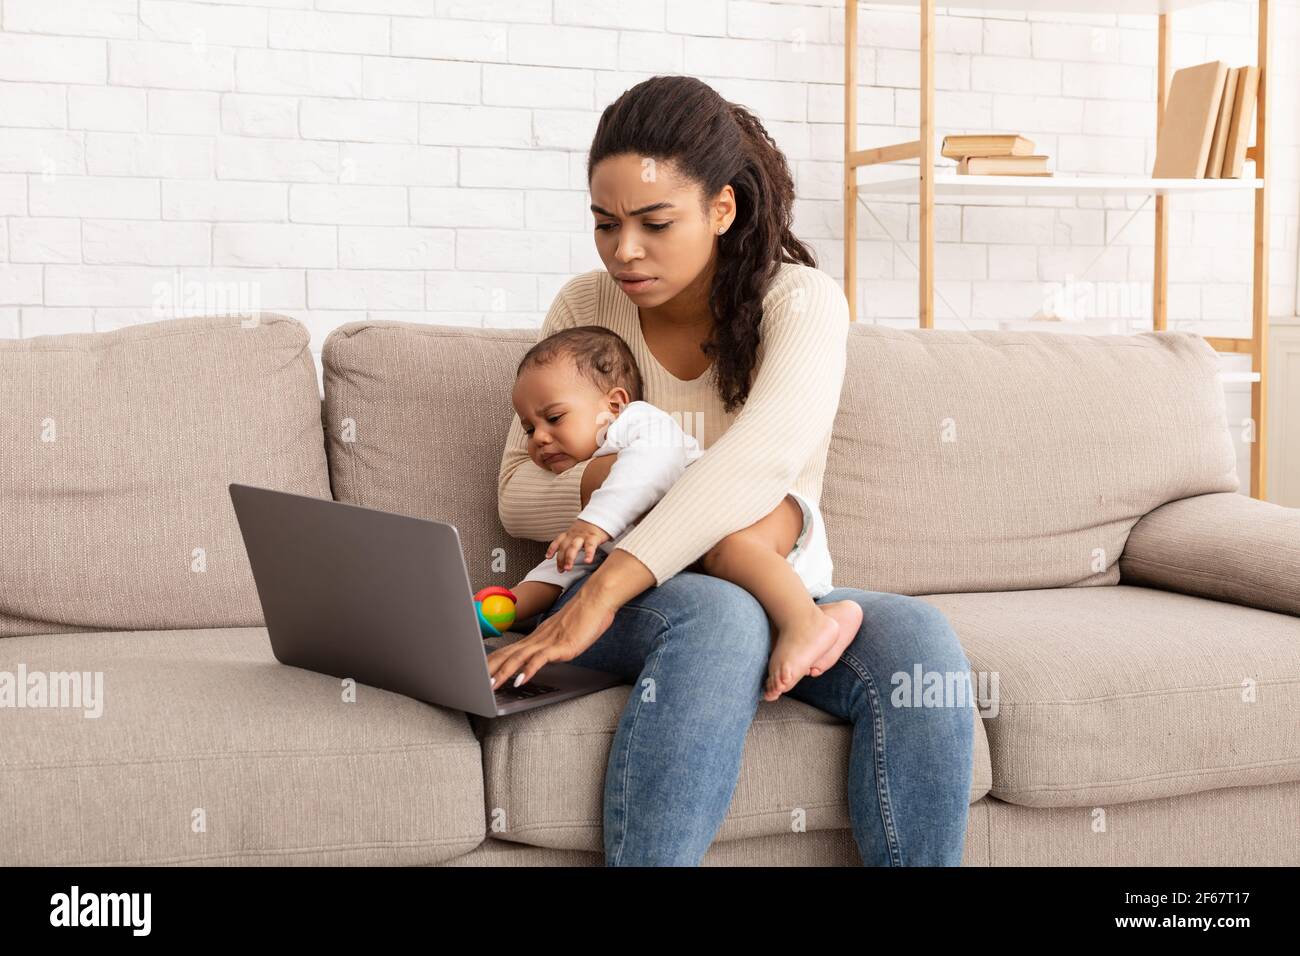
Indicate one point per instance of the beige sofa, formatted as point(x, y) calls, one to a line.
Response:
point(1067, 501)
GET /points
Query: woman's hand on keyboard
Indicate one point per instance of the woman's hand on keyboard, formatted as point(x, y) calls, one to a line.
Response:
point(561, 637)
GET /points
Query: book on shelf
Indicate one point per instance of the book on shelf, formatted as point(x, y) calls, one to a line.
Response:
point(1220, 141)
point(1243, 112)
point(1187, 128)
point(1003, 166)
point(986, 144)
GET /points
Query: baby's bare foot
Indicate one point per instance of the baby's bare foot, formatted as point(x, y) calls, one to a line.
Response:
point(848, 615)
point(797, 648)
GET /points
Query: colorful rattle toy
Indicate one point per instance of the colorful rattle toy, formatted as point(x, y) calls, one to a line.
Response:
point(495, 607)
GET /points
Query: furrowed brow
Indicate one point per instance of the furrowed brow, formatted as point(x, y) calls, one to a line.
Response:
point(636, 212)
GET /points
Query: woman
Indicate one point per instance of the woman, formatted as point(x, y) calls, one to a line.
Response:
point(735, 329)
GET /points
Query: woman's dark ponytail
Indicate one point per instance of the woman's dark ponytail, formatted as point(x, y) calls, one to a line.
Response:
point(714, 142)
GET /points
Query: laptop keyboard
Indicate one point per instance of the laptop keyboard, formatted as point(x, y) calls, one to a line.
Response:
point(530, 689)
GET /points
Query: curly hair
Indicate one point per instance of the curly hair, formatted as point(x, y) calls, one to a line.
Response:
point(714, 142)
point(600, 355)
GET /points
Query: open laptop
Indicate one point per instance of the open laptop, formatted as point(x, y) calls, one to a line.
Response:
point(384, 599)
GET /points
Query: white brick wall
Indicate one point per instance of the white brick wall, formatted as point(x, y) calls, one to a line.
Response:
point(425, 159)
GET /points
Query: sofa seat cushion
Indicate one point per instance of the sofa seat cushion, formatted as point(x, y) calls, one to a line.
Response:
point(207, 750)
point(544, 771)
point(1108, 695)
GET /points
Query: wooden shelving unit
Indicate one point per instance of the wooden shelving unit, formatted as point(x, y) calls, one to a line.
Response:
point(927, 181)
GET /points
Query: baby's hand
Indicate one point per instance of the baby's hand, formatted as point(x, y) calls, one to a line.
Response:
point(581, 536)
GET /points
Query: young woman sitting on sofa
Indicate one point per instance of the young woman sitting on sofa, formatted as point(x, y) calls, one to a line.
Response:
point(736, 330)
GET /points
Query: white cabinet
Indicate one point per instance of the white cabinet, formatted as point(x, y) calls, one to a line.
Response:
point(1284, 413)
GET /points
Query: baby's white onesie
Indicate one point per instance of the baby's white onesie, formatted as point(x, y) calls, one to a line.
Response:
point(653, 452)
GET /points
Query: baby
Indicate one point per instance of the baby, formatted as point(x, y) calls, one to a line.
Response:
point(578, 396)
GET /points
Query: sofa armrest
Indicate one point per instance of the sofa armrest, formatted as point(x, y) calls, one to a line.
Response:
point(1223, 546)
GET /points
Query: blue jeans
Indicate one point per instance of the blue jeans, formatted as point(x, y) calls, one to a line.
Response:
point(696, 648)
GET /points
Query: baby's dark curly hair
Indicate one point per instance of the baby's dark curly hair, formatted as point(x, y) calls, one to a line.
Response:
point(601, 356)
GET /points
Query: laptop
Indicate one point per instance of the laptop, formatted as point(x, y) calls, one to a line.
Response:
point(384, 599)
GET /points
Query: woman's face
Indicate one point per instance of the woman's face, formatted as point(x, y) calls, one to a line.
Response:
point(649, 223)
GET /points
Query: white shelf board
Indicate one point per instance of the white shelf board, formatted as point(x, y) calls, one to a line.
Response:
point(1057, 6)
point(950, 183)
point(1239, 376)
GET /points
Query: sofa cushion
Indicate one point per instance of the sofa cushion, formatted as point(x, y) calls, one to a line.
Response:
point(988, 461)
point(1225, 546)
point(1115, 694)
point(206, 727)
point(116, 450)
point(960, 460)
point(544, 771)
point(416, 418)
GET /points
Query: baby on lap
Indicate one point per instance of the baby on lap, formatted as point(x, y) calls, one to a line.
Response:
point(578, 396)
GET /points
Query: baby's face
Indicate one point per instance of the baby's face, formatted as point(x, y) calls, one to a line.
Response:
point(563, 413)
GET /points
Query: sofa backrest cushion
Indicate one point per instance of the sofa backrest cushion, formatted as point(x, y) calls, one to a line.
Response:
point(988, 461)
point(961, 461)
point(116, 452)
point(416, 418)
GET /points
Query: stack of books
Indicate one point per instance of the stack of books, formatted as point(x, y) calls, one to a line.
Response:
point(995, 154)
point(1206, 126)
